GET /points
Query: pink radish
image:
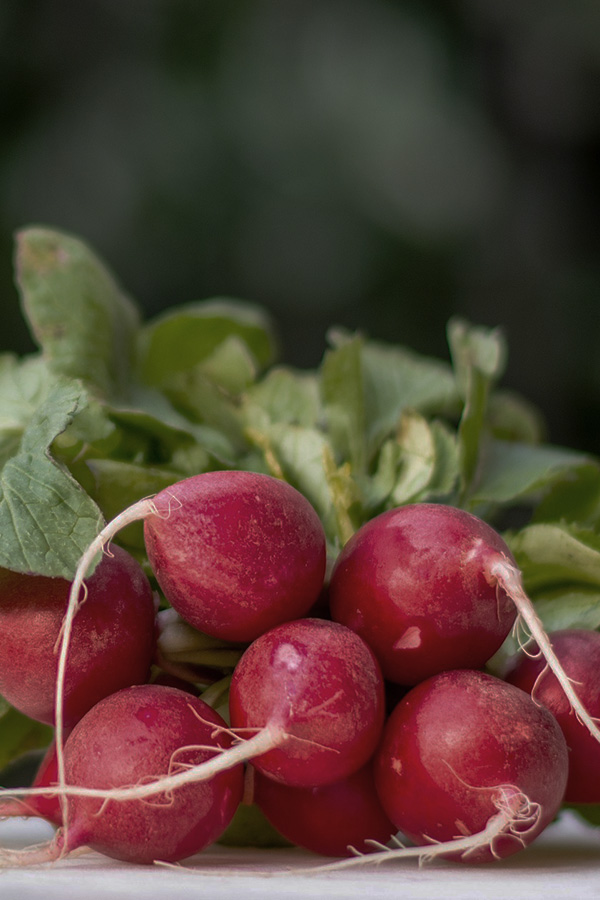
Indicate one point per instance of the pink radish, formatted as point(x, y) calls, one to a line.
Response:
point(317, 688)
point(111, 645)
point(307, 706)
point(128, 740)
point(236, 553)
point(469, 769)
point(579, 653)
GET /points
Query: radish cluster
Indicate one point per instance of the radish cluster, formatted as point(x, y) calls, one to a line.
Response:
point(466, 765)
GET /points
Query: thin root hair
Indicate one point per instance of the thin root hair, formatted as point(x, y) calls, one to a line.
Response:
point(173, 503)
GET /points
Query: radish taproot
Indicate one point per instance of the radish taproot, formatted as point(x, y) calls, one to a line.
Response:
point(431, 587)
point(578, 650)
point(111, 646)
point(469, 769)
point(126, 741)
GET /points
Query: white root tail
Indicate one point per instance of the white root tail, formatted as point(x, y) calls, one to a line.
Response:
point(267, 738)
point(134, 513)
point(517, 819)
point(509, 578)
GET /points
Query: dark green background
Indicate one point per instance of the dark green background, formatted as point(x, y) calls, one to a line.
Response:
point(375, 163)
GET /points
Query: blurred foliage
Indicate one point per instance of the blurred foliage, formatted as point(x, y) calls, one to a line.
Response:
point(381, 164)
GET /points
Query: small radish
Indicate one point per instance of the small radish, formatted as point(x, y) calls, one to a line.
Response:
point(112, 641)
point(38, 805)
point(462, 748)
point(328, 819)
point(235, 553)
point(317, 688)
point(469, 769)
point(579, 653)
point(430, 588)
point(130, 739)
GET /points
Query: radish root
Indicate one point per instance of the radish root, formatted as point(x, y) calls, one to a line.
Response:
point(509, 578)
point(516, 818)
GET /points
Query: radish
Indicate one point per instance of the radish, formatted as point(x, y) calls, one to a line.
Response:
point(579, 653)
point(236, 553)
point(316, 688)
point(430, 588)
point(129, 739)
point(42, 805)
point(468, 768)
point(112, 641)
point(328, 819)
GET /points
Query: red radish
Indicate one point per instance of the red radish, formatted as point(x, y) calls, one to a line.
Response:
point(328, 819)
point(317, 688)
point(42, 805)
point(465, 749)
point(579, 653)
point(413, 583)
point(111, 646)
point(469, 768)
point(132, 738)
point(431, 588)
point(236, 553)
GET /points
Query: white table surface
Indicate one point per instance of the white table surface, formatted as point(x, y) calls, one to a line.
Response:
point(563, 863)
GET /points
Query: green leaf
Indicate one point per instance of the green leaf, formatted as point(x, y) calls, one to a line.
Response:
point(397, 379)
point(152, 415)
point(181, 338)
point(512, 418)
point(510, 471)
point(417, 458)
point(19, 734)
point(284, 395)
point(24, 384)
point(342, 390)
point(575, 498)
point(46, 518)
point(478, 357)
point(445, 477)
point(590, 812)
point(552, 555)
point(474, 348)
point(575, 607)
point(77, 312)
point(117, 485)
point(368, 385)
point(231, 366)
point(251, 828)
point(202, 401)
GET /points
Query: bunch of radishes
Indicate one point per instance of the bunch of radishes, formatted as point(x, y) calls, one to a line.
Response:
point(465, 765)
